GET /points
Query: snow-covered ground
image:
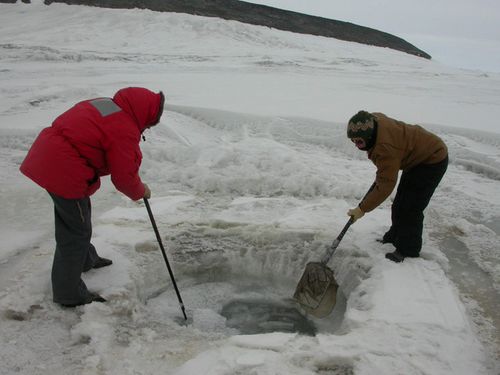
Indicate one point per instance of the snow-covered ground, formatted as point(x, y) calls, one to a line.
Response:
point(252, 176)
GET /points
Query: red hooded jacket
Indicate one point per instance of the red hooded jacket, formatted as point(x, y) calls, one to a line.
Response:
point(95, 138)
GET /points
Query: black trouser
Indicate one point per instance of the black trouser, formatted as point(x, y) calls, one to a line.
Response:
point(74, 253)
point(414, 192)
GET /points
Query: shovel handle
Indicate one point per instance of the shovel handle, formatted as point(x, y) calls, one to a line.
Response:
point(335, 244)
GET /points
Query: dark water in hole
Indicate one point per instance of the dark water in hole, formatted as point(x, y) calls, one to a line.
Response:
point(264, 316)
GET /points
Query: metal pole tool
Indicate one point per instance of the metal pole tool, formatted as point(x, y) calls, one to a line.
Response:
point(153, 223)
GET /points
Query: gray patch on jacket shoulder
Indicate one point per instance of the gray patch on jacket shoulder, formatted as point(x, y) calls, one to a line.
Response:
point(105, 106)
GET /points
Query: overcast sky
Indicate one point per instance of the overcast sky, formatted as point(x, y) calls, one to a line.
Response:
point(460, 33)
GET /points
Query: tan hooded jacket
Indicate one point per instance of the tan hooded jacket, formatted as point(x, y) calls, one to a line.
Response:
point(399, 146)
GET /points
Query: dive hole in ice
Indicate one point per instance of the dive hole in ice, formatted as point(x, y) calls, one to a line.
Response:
point(232, 288)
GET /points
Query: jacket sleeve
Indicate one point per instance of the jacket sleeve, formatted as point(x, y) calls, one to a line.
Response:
point(386, 178)
point(124, 159)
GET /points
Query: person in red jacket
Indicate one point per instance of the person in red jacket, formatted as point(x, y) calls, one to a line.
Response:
point(94, 138)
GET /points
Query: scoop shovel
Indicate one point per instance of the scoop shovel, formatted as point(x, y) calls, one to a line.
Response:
point(316, 291)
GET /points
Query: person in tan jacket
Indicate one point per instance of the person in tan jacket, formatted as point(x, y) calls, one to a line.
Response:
point(393, 145)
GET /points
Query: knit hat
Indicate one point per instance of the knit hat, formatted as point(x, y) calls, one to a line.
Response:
point(361, 125)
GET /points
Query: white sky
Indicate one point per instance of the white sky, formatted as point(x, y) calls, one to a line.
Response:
point(463, 34)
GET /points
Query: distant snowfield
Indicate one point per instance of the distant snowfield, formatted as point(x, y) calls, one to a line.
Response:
point(252, 176)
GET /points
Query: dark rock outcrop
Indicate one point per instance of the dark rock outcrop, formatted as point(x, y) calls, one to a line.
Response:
point(265, 16)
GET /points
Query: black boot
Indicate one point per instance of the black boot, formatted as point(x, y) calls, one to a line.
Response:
point(395, 256)
point(389, 237)
point(102, 262)
point(92, 297)
point(398, 257)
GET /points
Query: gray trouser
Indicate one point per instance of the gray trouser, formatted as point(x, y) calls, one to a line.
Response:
point(74, 253)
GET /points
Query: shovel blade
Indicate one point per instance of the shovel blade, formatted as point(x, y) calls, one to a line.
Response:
point(316, 291)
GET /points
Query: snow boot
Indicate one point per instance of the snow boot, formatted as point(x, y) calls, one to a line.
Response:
point(92, 297)
point(388, 237)
point(398, 257)
point(395, 256)
point(102, 262)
